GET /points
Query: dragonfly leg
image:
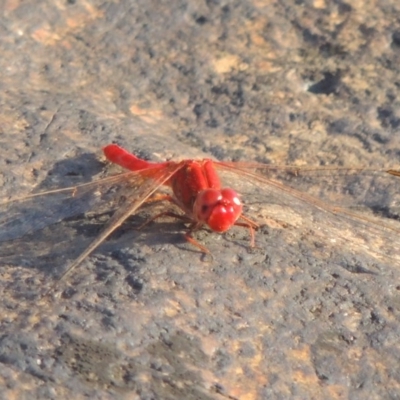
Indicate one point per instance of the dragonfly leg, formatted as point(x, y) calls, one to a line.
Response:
point(189, 238)
point(251, 226)
point(165, 214)
point(163, 197)
point(160, 197)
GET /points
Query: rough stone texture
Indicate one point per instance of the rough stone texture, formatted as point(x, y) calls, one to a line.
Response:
point(147, 317)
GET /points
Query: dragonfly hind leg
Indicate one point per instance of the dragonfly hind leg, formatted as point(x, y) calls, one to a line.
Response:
point(162, 197)
point(165, 214)
point(188, 237)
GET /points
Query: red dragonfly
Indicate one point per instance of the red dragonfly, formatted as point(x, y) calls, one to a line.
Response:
point(197, 191)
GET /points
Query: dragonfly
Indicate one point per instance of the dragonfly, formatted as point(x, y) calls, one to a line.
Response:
point(195, 189)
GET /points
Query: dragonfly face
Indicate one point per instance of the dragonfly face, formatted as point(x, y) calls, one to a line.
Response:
point(219, 209)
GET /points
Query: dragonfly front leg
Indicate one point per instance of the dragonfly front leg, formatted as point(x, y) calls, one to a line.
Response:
point(251, 226)
point(189, 238)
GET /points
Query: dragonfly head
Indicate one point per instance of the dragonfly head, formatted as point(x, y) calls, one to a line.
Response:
point(219, 209)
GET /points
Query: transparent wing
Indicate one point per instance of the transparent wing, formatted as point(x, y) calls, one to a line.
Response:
point(27, 214)
point(355, 211)
point(147, 188)
point(125, 192)
point(339, 185)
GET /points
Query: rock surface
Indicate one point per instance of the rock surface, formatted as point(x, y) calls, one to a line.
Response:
point(147, 317)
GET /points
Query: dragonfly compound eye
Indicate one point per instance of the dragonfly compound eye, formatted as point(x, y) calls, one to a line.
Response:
point(219, 209)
